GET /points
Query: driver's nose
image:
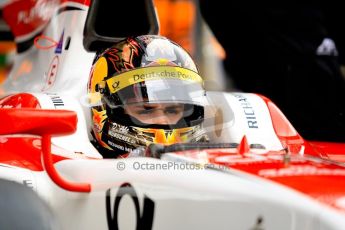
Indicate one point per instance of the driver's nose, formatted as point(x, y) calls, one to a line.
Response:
point(160, 118)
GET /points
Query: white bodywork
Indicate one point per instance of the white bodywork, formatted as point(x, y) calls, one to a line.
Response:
point(182, 199)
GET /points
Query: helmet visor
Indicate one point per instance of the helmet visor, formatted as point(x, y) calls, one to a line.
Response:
point(160, 95)
point(158, 84)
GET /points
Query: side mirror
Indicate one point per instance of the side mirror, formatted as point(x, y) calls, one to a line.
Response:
point(45, 123)
point(37, 121)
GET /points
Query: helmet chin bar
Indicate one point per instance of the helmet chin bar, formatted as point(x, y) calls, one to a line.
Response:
point(127, 138)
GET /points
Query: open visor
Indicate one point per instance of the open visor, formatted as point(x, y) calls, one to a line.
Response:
point(158, 84)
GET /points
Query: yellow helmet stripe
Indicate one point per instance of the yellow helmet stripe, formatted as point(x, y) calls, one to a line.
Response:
point(128, 78)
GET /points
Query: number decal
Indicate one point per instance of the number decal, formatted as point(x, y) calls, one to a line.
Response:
point(144, 221)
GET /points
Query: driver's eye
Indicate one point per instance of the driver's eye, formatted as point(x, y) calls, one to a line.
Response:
point(145, 111)
point(172, 111)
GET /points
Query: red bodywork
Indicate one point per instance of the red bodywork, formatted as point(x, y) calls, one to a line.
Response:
point(26, 152)
point(25, 17)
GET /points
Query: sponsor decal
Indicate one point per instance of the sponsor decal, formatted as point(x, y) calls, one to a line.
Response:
point(144, 217)
point(128, 78)
point(52, 73)
point(119, 128)
point(58, 49)
point(28, 183)
point(57, 101)
point(42, 10)
point(110, 143)
point(301, 170)
point(248, 111)
point(6, 106)
point(115, 85)
point(120, 137)
point(25, 17)
point(20, 100)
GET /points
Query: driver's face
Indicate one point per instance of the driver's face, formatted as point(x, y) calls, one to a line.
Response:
point(160, 114)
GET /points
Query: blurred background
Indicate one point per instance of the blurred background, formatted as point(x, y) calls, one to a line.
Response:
point(7, 48)
point(186, 27)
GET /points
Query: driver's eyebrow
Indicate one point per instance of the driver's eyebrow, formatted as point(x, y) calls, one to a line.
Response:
point(152, 106)
point(146, 106)
point(174, 107)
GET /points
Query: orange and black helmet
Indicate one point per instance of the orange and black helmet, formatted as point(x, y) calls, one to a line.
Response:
point(145, 74)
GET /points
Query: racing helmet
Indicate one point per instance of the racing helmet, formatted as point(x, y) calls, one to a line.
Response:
point(144, 90)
